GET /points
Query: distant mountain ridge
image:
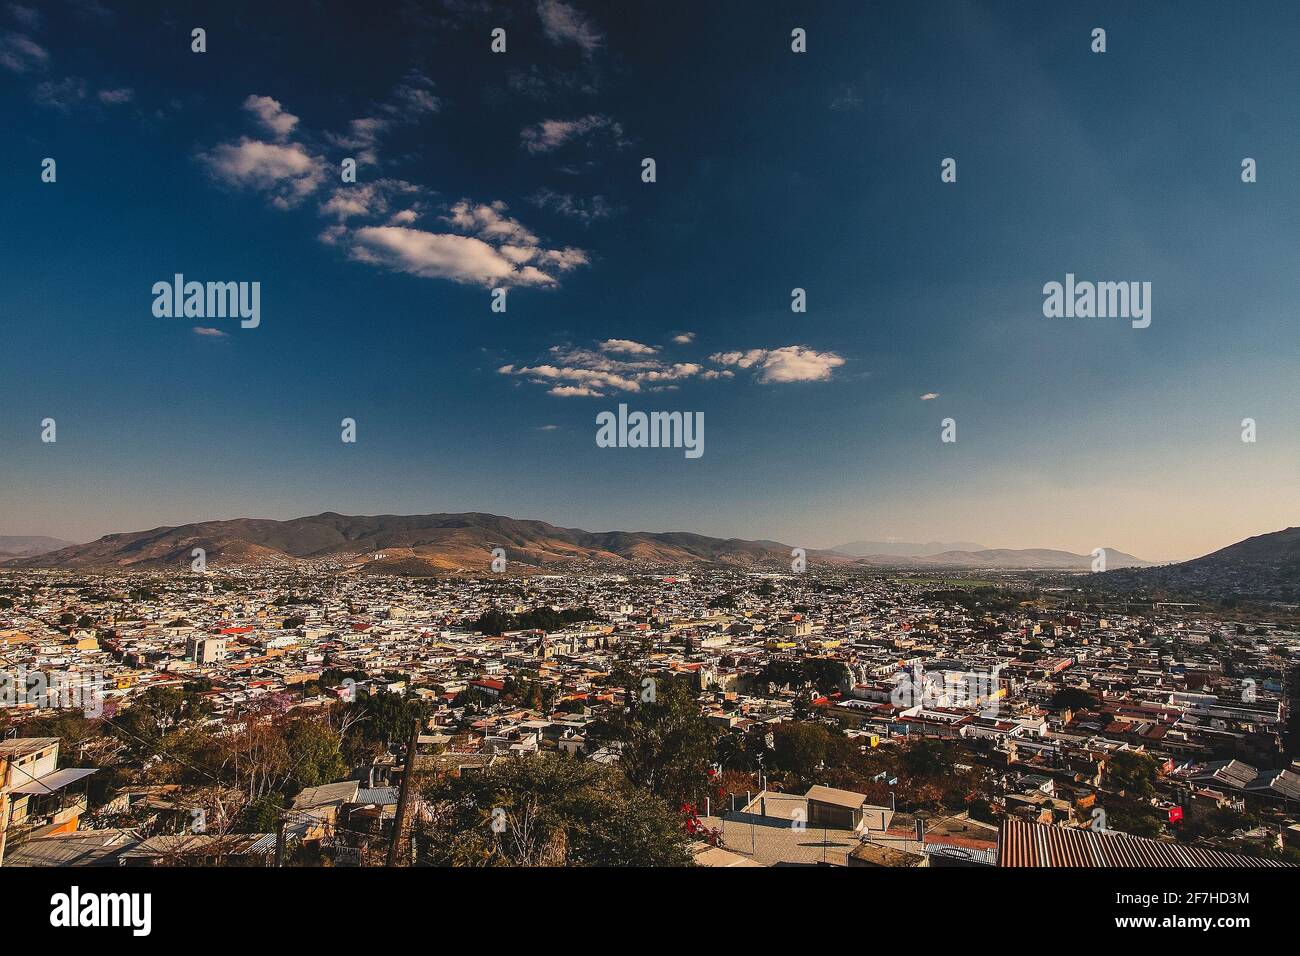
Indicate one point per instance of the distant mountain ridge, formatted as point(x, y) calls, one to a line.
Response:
point(911, 549)
point(1009, 559)
point(1265, 567)
point(23, 546)
point(407, 544)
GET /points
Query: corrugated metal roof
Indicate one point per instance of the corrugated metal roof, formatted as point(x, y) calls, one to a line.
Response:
point(1022, 843)
point(82, 848)
point(379, 795)
point(53, 781)
point(330, 793)
point(21, 746)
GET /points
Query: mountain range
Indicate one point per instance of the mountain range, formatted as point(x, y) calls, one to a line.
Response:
point(1010, 559)
point(25, 546)
point(407, 544)
point(1265, 567)
point(906, 549)
point(1267, 564)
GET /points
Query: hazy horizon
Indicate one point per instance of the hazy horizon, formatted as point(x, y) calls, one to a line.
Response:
point(817, 545)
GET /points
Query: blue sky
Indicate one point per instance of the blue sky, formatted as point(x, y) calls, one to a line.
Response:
point(775, 170)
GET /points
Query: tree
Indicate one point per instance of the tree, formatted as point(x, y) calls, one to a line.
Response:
point(928, 758)
point(666, 744)
point(316, 752)
point(1073, 698)
point(386, 718)
point(1132, 774)
point(800, 748)
point(549, 811)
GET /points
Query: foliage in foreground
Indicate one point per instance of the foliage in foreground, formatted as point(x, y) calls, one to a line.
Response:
point(548, 811)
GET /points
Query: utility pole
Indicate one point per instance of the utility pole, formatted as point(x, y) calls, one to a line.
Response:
point(404, 795)
point(279, 840)
point(4, 815)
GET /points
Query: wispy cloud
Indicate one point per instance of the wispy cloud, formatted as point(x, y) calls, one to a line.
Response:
point(585, 211)
point(207, 332)
point(550, 134)
point(846, 100)
point(375, 199)
point(409, 102)
point(573, 372)
point(548, 85)
point(627, 347)
point(19, 53)
point(27, 16)
point(116, 97)
point(563, 23)
point(623, 365)
point(61, 95)
point(929, 396)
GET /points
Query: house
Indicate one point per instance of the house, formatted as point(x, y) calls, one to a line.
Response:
point(838, 809)
point(35, 797)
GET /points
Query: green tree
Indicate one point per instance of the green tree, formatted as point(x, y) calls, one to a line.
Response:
point(316, 751)
point(1131, 773)
point(666, 745)
point(549, 811)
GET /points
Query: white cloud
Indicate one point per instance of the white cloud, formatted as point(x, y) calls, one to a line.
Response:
point(207, 332)
point(792, 363)
point(287, 172)
point(551, 134)
point(685, 338)
point(624, 365)
point(929, 396)
point(563, 23)
point(277, 121)
point(489, 221)
point(483, 244)
point(373, 199)
point(441, 256)
point(574, 372)
point(627, 347)
point(20, 53)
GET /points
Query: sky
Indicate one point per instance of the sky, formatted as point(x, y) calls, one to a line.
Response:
point(774, 170)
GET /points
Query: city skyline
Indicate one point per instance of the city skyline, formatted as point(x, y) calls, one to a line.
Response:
point(776, 171)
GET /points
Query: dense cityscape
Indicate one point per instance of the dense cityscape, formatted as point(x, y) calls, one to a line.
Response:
point(703, 715)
